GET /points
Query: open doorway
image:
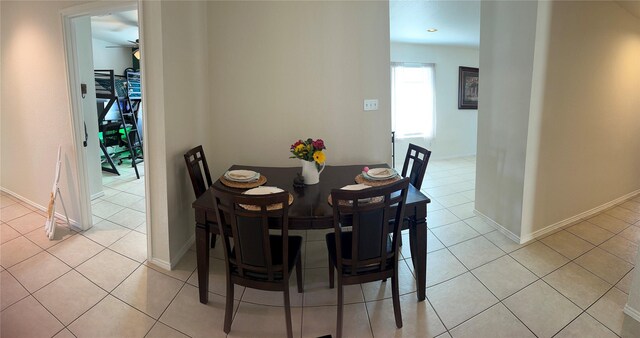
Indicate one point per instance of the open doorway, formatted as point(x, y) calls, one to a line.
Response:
point(104, 52)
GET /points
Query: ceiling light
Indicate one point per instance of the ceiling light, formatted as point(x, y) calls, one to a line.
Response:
point(431, 30)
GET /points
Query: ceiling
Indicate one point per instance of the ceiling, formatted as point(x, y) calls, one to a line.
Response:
point(457, 22)
point(117, 28)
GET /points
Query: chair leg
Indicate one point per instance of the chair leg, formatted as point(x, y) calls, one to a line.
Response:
point(287, 311)
point(395, 293)
point(299, 274)
point(340, 306)
point(331, 275)
point(228, 310)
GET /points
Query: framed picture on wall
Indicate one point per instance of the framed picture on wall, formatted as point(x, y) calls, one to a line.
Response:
point(467, 88)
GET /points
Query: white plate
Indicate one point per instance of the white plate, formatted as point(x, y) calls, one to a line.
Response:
point(242, 175)
point(263, 191)
point(355, 187)
point(381, 173)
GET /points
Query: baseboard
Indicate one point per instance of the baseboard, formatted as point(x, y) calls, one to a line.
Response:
point(577, 218)
point(631, 312)
point(497, 226)
point(74, 224)
point(161, 263)
point(97, 195)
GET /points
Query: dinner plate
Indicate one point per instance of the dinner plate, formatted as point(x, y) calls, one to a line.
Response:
point(263, 191)
point(381, 173)
point(242, 175)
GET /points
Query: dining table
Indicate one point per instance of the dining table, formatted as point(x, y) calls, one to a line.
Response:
point(311, 210)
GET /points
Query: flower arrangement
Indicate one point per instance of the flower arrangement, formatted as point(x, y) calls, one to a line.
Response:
point(309, 150)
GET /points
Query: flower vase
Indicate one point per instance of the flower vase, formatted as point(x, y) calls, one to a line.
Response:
point(310, 172)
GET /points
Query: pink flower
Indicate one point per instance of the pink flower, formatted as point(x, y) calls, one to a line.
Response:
point(318, 144)
point(365, 169)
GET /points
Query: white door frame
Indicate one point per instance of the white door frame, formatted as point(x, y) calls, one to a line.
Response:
point(76, 114)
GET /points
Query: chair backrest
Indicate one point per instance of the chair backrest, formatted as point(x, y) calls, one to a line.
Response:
point(196, 165)
point(420, 158)
point(244, 221)
point(370, 225)
point(111, 134)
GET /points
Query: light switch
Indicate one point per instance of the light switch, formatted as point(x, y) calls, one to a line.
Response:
point(370, 104)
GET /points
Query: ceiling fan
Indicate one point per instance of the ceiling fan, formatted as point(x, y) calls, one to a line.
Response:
point(135, 45)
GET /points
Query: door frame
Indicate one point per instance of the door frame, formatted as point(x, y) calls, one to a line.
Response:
point(76, 114)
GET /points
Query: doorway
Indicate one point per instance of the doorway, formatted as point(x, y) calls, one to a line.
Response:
point(105, 84)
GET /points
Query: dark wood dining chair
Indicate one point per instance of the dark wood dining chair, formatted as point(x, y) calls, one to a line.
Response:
point(257, 259)
point(419, 158)
point(199, 171)
point(367, 252)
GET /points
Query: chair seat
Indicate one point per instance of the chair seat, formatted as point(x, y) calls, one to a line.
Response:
point(295, 245)
point(346, 240)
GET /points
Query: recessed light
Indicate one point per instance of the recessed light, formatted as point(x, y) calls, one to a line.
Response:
point(431, 30)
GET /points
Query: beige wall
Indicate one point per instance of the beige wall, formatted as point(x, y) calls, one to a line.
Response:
point(590, 122)
point(507, 39)
point(280, 71)
point(456, 129)
point(186, 109)
point(34, 106)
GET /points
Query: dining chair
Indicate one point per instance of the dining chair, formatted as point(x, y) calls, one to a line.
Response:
point(419, 158)
point(197, 165)
point(366, 252)
point(257, 259)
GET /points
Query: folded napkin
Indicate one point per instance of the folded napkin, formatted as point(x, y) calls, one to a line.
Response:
point(241, 174)
point(264, 190)
point(380, 172)
point(355, 187)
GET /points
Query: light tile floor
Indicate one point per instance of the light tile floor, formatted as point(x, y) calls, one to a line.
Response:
point(573, 283)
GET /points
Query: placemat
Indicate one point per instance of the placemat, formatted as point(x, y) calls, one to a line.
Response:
point(360, 179)
point(243, 185)
point(269, 207)
point(377, 199)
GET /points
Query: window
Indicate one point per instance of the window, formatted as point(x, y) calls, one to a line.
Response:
point(413, 100)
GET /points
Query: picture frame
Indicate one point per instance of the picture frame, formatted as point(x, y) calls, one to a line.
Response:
point(468, 88)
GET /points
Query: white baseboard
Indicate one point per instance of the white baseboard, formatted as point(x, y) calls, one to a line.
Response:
point(97, 195)
point(577, 218)
point(497, 226)
point(524, 238)
point(75, 224)
point(631, 312)
point(161, 263)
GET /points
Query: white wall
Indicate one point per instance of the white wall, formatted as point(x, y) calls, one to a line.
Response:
point(588, 141)
point(280, 71)
point(456, 129)
point(117, 59)
point(507, 39)
point(34, 103)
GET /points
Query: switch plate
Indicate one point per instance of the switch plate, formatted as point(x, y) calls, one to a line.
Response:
point(370, 104)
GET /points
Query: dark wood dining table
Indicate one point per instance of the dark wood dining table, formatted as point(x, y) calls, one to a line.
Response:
point(311, 210)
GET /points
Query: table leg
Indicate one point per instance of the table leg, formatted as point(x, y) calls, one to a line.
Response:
point(202, 254)
point(418, 242)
